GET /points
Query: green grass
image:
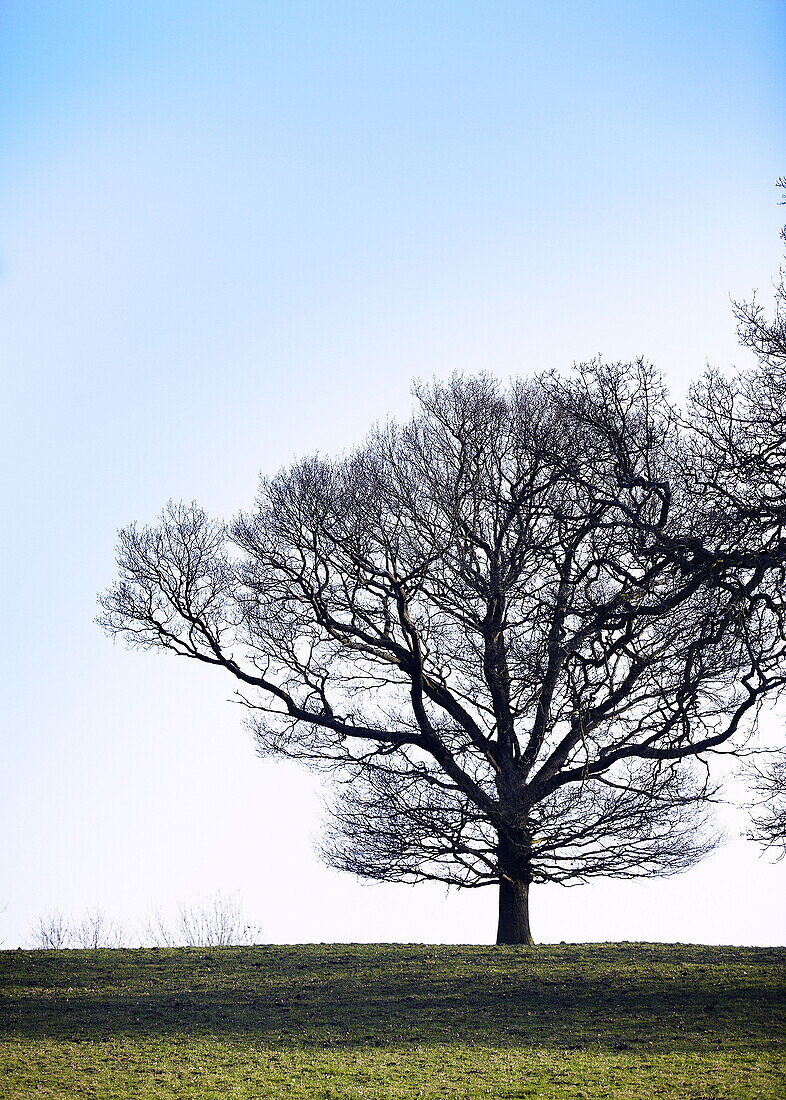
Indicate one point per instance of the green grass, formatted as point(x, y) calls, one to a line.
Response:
point(600, 1022)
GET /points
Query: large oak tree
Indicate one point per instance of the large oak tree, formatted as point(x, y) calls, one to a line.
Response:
point(517, 626)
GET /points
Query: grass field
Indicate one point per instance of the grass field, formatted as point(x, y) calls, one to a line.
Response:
point(596, 1022)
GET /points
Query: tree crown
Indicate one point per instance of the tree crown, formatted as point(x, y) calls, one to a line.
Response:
point(527, 613)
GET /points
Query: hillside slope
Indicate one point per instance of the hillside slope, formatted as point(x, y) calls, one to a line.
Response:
point(365, 1021)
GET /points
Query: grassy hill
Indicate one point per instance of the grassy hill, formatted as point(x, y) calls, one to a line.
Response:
point(606, 1021)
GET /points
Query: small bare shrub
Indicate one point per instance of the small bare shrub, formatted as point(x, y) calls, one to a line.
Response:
point(52, 932)
point(214, 921)
point(96, 930)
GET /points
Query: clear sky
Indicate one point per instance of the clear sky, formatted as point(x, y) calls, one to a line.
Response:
point(234, 232)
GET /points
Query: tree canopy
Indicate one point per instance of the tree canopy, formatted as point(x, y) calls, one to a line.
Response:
point(516, 627)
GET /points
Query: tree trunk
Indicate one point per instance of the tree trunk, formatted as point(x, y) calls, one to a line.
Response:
point(513, 924)
point(515, 875)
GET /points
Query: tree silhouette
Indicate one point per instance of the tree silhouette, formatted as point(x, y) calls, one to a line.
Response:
point(516, 627)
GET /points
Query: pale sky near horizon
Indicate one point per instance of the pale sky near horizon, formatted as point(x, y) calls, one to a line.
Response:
point(233, 233)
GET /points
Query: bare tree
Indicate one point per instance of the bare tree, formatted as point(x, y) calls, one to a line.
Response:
point(52, 932)
point(96, 930)
point(516, 627)
point(215, 921)
point(93, 930)
point(159, 931)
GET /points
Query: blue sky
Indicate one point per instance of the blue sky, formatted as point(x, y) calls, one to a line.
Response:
point(232, 233)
